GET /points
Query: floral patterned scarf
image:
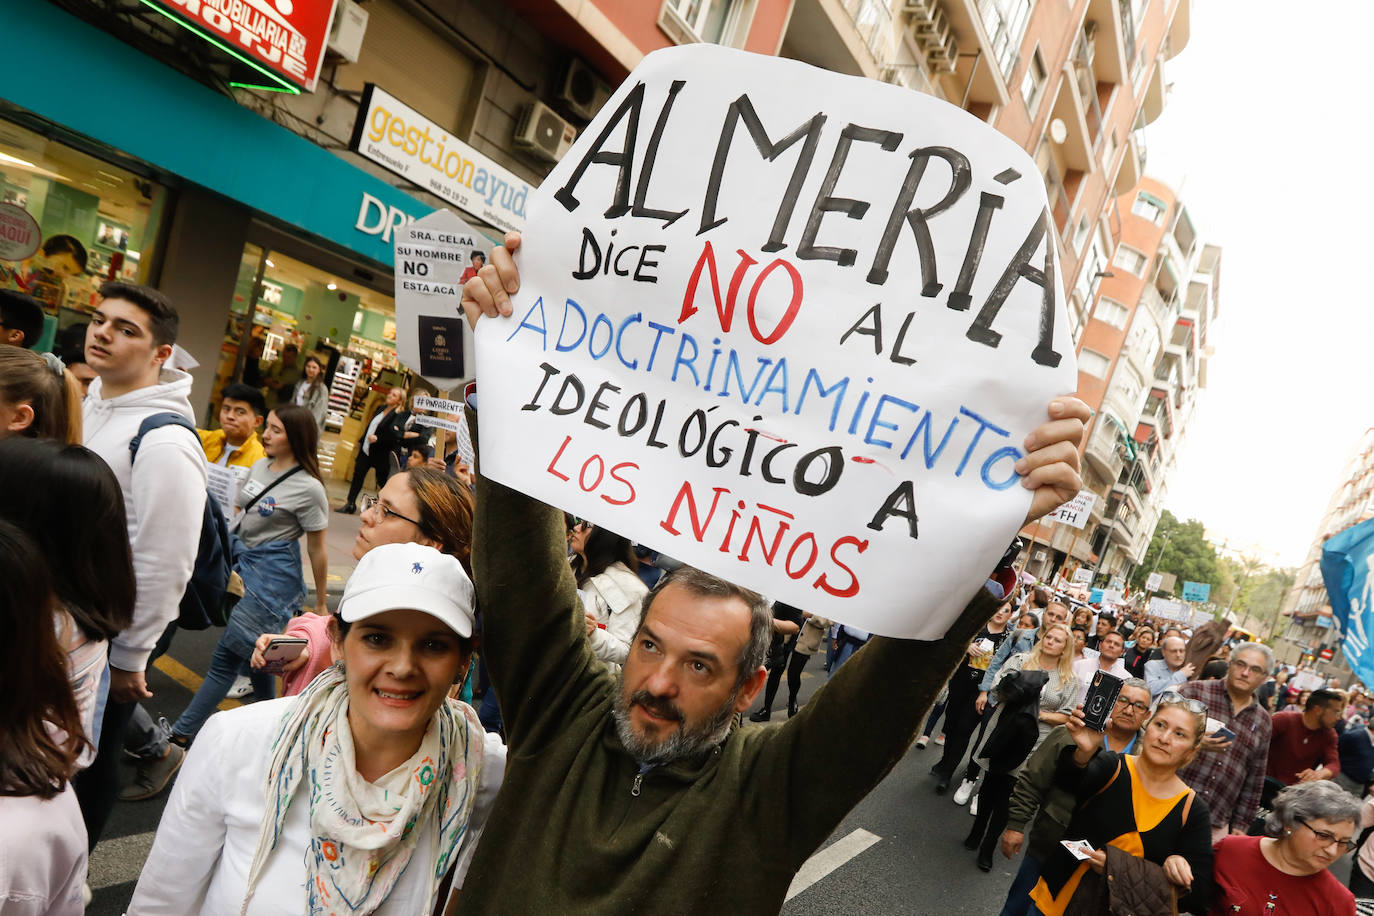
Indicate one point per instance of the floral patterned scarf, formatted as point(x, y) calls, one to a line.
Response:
point(363, 833)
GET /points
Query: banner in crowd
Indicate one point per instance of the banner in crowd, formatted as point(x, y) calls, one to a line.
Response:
point(1168, 609)
point(1196, 591)
point(1153, 581)
point(789, 326)
point(1346, 564)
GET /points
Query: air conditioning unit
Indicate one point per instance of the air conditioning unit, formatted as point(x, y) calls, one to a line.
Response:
point(346, 34)
point(542, 132)
point(921, 9)
point(582, 91)
point(943, 59)
point(932, 33)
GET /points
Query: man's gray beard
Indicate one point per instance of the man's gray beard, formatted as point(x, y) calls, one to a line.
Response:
point(685, 742)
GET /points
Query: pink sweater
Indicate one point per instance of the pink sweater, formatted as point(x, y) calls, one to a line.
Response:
point(315, 628)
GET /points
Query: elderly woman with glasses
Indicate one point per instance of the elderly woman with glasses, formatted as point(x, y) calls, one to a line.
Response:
point(1312, 825)
point(1132, 808)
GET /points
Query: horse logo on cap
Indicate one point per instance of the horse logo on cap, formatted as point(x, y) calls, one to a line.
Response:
point(417, 567)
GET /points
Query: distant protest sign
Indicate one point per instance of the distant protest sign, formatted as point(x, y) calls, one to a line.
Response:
point(1076, 511)
point(1168, 609)
point(789, 326)
point(432, 255)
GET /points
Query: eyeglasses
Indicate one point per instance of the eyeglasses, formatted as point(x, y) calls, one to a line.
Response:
point(1133, 704)
point(1172, 698)
point(373, 502)
point(1253, 669)
point(1328, 839)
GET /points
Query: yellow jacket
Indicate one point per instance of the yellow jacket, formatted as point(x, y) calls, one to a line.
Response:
point(212, 440)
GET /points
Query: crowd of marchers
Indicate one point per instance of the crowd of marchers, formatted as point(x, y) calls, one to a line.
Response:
point(625, 757)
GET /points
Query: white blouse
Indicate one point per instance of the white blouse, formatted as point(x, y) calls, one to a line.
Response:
point(209, 829)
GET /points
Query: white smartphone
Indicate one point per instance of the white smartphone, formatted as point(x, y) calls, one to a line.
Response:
point(280, 650)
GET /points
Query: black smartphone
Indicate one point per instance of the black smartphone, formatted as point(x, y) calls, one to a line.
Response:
point(441, 346)
point(1101, 697)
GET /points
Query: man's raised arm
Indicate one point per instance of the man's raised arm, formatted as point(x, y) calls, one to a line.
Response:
point(533, 628)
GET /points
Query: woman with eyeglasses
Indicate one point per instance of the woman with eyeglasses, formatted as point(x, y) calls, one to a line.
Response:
point(416, 506)
point(1311, 826)
point(1132, 807)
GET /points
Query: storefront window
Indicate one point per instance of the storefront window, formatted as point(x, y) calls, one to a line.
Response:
point(96, 222)
point(349, 328)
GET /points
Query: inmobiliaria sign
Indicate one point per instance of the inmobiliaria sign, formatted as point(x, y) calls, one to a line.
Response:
point(285, 36)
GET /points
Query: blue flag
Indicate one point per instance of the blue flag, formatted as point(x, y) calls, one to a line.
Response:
point(1348, 571)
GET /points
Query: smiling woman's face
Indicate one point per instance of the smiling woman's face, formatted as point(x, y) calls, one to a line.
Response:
point(400, 665)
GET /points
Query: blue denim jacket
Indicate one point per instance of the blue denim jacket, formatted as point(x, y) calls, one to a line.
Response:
point(271, 573)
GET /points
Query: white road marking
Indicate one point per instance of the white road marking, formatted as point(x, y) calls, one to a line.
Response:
point(831, 858)
point(119, 860)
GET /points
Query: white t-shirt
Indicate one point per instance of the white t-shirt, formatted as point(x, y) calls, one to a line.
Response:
point(1084, 668)
point(209, 830)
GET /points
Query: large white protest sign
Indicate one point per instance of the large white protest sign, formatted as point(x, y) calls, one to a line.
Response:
point(790, 327)
point(1167, 609)
point(1076, 511)
point(1153, 581)
point(432, 255)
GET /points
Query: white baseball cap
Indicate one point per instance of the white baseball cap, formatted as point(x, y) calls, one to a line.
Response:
point(409, 577)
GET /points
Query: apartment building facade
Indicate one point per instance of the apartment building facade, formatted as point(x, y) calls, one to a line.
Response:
point(1142, 360)
point(1308, 608)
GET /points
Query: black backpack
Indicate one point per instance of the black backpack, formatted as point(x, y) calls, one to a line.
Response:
point(203, 604)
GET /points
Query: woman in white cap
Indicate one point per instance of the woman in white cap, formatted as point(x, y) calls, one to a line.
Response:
point(363, 794)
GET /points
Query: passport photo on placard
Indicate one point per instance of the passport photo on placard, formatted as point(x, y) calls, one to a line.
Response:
point(441, 347)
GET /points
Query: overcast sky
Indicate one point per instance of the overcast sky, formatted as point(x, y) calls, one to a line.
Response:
point(1268, 127)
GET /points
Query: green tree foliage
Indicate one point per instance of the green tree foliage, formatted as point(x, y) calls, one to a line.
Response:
point(1263, 592)
point(1186, 554)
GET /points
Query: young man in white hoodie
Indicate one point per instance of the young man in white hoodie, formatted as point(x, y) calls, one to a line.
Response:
point(129, 340)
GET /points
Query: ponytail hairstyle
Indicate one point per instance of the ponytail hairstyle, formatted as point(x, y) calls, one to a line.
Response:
point(36, 757)
point(49, 390)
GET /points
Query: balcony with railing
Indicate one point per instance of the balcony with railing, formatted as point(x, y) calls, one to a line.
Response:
point(847, 36)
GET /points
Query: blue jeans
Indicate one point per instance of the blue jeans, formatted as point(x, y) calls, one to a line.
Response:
point(273, 591)
point(1018, 895)
point(249, 621)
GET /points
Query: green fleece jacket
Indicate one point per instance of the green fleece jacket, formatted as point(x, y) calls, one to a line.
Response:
point(578, 828)
point(1038, 796)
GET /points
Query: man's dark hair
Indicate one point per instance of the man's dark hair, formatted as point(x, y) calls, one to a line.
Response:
point(22, 313)
point(66, 244)
point(1040, 596)
point(240, 391)
point(1324, 697)
point(708, 586)
point(163, 321)
point(291, 348)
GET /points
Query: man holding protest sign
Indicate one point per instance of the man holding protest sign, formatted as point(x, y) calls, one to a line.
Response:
point(641, 780)
point(739, 389)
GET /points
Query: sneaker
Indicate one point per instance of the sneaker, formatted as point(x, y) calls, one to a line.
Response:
point(241, 688)
point(940, 741)
point(973, 806)
point(152, 776)
point(922, 741)
point(965, 790)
